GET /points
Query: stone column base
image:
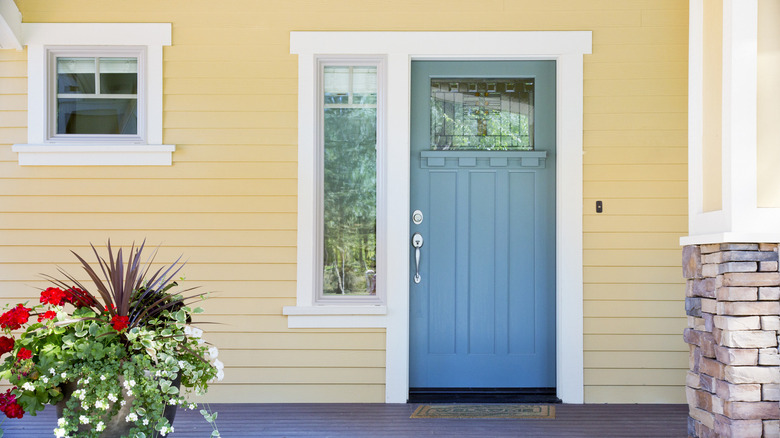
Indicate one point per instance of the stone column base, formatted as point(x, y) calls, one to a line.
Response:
point(733, 306)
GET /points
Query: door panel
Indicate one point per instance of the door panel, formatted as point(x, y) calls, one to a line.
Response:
point(483, 312)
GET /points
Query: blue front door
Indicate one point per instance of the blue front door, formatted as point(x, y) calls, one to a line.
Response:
point(483, 179)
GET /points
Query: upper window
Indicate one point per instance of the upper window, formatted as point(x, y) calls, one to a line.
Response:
point(94, 94)
point(349, 141)
point(97, 95)
point(482, 114)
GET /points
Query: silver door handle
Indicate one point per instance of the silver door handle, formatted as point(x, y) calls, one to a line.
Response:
point(417, 243)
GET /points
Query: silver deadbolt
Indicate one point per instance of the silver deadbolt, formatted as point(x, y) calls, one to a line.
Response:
point(417, 217)
point(417, 243)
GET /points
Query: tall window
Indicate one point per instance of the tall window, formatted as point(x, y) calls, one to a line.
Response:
point(349, 191)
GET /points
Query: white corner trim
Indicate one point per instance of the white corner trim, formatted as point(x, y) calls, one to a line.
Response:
point(39, 36)
point(94, 154)
point(731, 238)
point(105, 34)
point(10, 25)
point(740, 220)
point(567, 48)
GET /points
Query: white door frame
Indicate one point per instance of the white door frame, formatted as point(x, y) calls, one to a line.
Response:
point(400, 48)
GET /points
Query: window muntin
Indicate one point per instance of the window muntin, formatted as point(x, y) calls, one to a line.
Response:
point(349, 121)
point(482, 114)
point(96, 95)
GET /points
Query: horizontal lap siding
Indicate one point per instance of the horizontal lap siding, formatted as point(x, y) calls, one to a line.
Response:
point(229, 201)
point(635, 162)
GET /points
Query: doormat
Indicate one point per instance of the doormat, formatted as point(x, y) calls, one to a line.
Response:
point(485, 411)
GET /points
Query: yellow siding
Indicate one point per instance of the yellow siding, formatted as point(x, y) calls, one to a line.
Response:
point(768, 114)
point(229, 201)
point(712, 101)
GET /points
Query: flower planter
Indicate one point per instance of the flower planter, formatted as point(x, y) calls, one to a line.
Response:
point(80, 343)
point(116, 426)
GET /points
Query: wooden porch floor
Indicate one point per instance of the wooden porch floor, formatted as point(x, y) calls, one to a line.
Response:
point(392, 420)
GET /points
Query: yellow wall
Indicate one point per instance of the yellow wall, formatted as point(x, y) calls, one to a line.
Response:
point(229, 201)
point(712, 138)
point(768, 97)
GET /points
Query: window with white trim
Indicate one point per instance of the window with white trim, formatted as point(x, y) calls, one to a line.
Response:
point(96, 95)
point(348, 145)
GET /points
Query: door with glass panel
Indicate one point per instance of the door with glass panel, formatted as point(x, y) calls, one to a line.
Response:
point(482, 241)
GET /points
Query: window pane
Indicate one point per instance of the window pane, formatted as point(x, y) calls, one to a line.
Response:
point(336, 85)
point(350, 183)
point(118, 76)
point(97, 116)
point(76, 75)
point(487, 114)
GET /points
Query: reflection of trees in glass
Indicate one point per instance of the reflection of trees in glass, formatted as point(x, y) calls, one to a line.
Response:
point(486, 114)
point(350, 200)
point(456, 126)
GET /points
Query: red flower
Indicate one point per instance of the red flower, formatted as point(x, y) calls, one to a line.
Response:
point(9, 406)
point(24, 353)
point(119, 322)
point(6, 344)
point(53, 295)
point(14, 318)
point(49, 314)
point(13, 410)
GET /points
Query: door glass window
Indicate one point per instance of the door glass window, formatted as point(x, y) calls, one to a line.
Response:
point(482, 114)
point(349, 192)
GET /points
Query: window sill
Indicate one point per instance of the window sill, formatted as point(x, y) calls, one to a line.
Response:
point(105, 154)
point(360, 316)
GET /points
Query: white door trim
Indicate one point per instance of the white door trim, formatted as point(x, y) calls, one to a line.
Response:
point(567, 48)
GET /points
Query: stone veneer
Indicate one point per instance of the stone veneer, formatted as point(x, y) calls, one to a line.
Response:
point(733, 306)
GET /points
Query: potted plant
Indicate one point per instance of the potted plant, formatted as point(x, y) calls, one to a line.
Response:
point(111, 356)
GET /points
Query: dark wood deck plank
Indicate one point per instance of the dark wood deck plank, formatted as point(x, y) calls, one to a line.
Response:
point(392, 420)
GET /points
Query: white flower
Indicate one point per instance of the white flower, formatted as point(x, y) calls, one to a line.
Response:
point(100, 426)
point(157, 373)
point(61, 422)
point(101, 404)
point(83, 419)
point(85, 381)
point(173, 402)
point(122, 403)
point(59, 432)
point(103, 378)
point(84, 405)
point(129, 384)
point(64, 375)
point(146, 421)
point(193, 332)
point(112, 397)
point(52, 371)
point(28, 386)
point(220, 375)
point(213, 352)
point(218, 364)
point(44, 379)
point(192, 406)
point(131, 417)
